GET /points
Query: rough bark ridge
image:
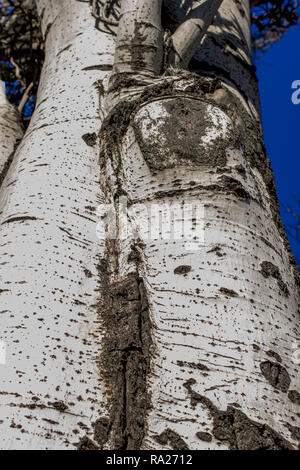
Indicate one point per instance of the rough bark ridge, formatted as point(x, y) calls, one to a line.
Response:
point(220, 308)
point(125, 358)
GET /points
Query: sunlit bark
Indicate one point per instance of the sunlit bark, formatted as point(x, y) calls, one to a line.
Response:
point(143, 340)
point(50, 386)
point(224, 308)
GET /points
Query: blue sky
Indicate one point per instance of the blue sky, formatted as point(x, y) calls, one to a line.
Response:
point(277, 68)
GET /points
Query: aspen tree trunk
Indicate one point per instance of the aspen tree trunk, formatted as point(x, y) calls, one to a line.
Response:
point(11, 130)
point(214, 364)
point(50, 386)
point(147, 339)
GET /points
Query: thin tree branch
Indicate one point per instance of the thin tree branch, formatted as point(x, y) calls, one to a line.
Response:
point(188, 36)
point(25, 97)
point(103, 14)
point(18, 72)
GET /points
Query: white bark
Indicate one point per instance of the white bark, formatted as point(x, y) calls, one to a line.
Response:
point(49, 249)
point(206, 320)
point(222, 309)
point(140, 34)
point(11, 128)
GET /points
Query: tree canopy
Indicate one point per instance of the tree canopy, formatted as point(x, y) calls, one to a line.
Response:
point(270, 20)
point(22, 47)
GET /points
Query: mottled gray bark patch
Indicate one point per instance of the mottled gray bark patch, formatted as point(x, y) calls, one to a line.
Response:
point(182, 269)
point(90, 139)
point(122, 115)
point(295, 432)
point(294, 396)
point(228, 292)
point(171, 438)
point(268, 270)
point(59, 405)
point(234, 428)
point(276, 375)
point(181, 130)
point(235, 187)
point(86, 444)
point(192, 365)
point(275, 355)
point(125, 359)
point(101, 430)
point(23, 218)
point(204, 436)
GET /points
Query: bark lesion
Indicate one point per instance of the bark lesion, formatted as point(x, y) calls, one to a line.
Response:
point(125, 359)
point(276, 375)
point(171, 438)
point(235, 429)
point(269, 270)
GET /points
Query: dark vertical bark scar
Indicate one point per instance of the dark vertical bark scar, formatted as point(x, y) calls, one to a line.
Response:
point(234, 428)
point(125, 360)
